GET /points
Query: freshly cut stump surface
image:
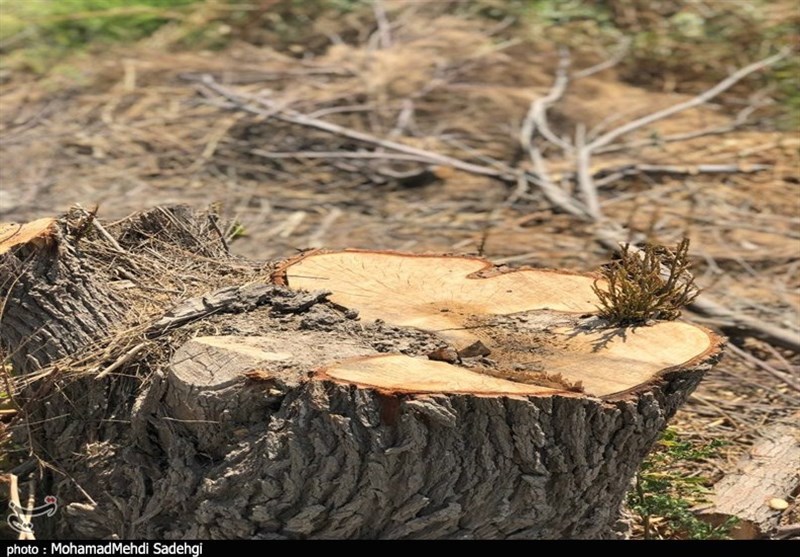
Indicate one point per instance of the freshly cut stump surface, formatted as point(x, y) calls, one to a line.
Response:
point(534, 324)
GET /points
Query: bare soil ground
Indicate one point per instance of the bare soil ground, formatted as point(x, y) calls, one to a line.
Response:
point(137, 127)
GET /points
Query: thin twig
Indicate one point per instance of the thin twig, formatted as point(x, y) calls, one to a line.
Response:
point(789, 368)
point(45, 464)
point(523, 184)
point(611, 175)
point(212, 219)
point(784, 378)
point(536, 119)
point(245, 102)
point(621, 52)
point(585, 181)
point(101, 230)
point(403, 118)
point(632, 169)
point(122, 360)
point(339, 155)
point(698, 100)
point(733, 421)
point(384, 27)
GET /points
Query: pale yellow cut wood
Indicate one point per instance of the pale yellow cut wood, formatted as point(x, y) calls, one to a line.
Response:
point(13, 234)
point(529, 320)
point(221, 361)
point(607, 362)
point(418, 375)
point(436, 293)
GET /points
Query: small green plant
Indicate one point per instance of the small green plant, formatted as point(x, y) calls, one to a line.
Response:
point(652, 283)
point(236, 230)
point(664, 495)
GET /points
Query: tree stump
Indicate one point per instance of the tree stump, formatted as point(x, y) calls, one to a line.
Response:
point(348, 394)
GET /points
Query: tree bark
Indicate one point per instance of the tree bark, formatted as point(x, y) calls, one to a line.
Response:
point(261, 409)
point(51, 307)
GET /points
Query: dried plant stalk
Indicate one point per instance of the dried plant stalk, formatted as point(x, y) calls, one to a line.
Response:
point(653, 283)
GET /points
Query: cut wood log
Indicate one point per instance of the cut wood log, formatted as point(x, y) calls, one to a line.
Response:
point(405, 396)
point(753, 497)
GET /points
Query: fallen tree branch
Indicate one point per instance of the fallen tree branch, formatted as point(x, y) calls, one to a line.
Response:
point(360, 155)
point(738, 324)
point(611, 234)
point(621, 52)
point(697, 100)
point(246, 102)
point(787, 532)
point(536, 119)
point(122, 360)
point(783, 377)
point(586, 184)
point(384, 27)
point(738, 121)
point(610, 175)
point(755, 492)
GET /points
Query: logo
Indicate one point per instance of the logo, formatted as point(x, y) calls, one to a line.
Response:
point(19, 519)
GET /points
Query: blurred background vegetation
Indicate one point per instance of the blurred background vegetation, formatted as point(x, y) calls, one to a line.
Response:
point(680, 45)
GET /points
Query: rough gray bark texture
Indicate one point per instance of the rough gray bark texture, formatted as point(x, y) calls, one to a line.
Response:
point(51, 306)
point(233, 438)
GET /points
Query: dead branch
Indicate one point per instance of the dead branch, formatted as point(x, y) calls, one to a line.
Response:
point(339, 155)
point(100, 229)
point(122, 360)
point(789, 531)
point(739, 120)
point(702, 98)
point(611, 175)
point(384, 27)
point(536, 119)
point(586, 183)
point(247, 102)
point(737, 324)
point(611, 234)
point(783, 377)
point(621, 51)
